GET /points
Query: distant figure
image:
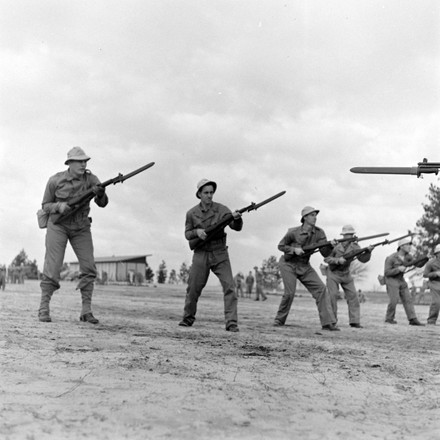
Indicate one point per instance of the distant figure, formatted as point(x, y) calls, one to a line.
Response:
point(259, 285)
point(397, 287)
point(249, 284)
point(238, 279)
point(60, 189)
point(432, 272)
point(211, 255)
point(2, 277)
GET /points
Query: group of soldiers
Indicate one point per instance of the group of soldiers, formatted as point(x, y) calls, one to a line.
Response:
point(249, 281)
point(65, 224)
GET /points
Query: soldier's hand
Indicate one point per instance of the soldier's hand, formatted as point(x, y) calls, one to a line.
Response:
point(402, 268)
point(334, 242)
point(201, 234)
point(370, 248)
point(63, 207)
point(298, 251)
point(341, 260)
point(99, 191)
point(236, 215)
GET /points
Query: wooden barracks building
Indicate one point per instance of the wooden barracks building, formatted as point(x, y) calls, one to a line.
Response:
point(119, 268)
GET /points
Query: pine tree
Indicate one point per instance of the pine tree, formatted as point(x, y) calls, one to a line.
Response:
point(429, 225)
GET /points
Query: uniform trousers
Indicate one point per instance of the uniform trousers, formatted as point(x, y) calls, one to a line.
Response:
point(399, 289)
point(203, 263)
point(290, 273)
point(434, 308)
point(80, 238)
point(345, 280)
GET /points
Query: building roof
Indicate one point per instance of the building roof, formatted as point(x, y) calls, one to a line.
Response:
point(117, 259)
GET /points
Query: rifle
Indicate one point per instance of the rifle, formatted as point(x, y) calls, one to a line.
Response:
point(212, 230)
point(80, 201)
point(423, 167)
point(312, 248)
point(416, 264)
point(353, 254)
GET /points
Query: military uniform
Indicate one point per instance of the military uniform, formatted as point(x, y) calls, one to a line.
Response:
point(297, 267)
point(432, 272)
point(210, 256)
point(397, 287)
point(63, 187)
point(259, 285)
point(339, 275)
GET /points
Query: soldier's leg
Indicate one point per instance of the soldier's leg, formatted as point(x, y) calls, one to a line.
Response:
point(197, 279)
point(82, 245)
point(434, 308)
point(333, 291)
point(221, 266)
point(317, 288)
point(407, 302)
point(56, 241)
point(354, 307)
point(288, 274)
point(393, 295)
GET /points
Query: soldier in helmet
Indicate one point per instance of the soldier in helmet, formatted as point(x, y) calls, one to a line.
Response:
point(295, 265)
point(395, 267)
point(432, 272)
point(338, 274)
point(210, 256)
point(60, 189)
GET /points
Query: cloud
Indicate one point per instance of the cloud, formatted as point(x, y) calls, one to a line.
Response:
point(261, 96)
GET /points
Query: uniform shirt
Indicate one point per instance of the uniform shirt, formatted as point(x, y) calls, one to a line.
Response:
point(298, 237)
point(63, 187)
point(392, 262)
point(431, 267)
point(199, 218)
point(342, 249)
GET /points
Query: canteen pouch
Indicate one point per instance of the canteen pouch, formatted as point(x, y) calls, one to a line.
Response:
point(43, 218)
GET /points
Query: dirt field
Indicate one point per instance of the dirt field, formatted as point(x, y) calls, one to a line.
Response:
point(137, 375)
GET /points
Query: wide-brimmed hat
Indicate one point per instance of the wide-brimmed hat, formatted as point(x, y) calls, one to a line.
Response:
point(308, 210)
point(203, 183)
point(348, 229)
point(76, 153)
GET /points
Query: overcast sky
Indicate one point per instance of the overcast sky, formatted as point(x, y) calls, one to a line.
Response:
point(260, 96)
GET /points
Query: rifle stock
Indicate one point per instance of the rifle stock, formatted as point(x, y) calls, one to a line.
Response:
point(212, 230)
point(80, 201)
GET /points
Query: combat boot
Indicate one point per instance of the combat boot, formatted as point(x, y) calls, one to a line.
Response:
point(43, 311)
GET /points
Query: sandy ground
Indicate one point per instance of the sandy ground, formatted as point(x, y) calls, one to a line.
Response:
point(137, 375)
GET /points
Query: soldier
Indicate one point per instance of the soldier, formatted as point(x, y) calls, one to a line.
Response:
point(432, 272)
point(60, 189)
point(238, 280)
point(395, 267)
point(249, 284)
point(2, 277)
point(210, 256)
point(259, 285)
point(338, 274)
point(294, 265)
